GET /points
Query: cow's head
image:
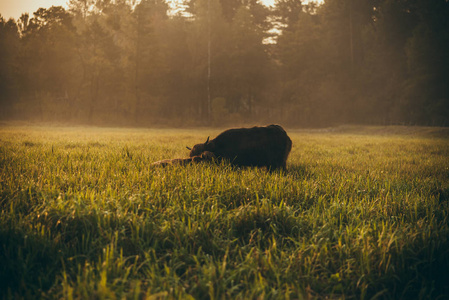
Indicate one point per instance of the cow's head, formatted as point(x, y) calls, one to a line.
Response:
point(198, 148)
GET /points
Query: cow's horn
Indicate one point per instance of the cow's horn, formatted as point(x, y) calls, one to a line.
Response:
point(188, 148)
point(207, 140)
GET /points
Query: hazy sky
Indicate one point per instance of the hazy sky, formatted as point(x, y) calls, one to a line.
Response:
point(15, 8)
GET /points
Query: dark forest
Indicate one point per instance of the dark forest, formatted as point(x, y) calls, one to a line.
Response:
point(221, 62)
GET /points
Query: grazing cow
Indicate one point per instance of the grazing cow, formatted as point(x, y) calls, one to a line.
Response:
point(205, 156)
point(267, 146)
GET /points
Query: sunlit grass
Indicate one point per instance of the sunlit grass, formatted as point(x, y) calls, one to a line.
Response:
point(360, 212)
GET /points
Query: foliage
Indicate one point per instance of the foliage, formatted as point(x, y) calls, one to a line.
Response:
point(124, 62)
point(360, 213)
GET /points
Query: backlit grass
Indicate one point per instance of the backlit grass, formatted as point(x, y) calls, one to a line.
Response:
point(360, 213)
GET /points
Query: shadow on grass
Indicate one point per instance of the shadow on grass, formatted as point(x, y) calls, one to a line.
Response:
point(33, 256)
point(423, 274)
point(29, 264)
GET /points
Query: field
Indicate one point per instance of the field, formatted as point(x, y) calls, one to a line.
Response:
point(361, 213)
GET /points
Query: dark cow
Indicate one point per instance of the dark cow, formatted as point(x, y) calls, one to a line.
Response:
point(205, 156)
point(257, 146)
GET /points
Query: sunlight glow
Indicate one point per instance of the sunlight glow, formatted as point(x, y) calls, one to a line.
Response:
point(271, 2)
point(15, 8)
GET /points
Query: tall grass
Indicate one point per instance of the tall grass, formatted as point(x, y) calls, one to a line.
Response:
point(360, 213)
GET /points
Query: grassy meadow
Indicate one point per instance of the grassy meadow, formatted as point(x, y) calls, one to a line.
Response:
point(361, 213)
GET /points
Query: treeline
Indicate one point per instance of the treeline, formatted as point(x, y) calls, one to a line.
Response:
point(213, 62)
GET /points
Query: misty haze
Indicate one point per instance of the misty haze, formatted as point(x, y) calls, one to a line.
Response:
point(228, 62)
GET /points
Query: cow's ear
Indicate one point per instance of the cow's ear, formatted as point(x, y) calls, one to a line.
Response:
point(189, 148)
point(207, 140)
